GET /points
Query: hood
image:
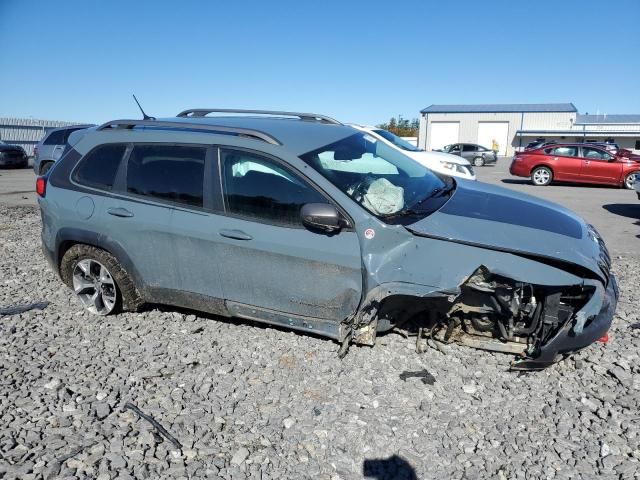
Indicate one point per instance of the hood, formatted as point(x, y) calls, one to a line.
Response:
point(437, 157)
point(10, 148)
point(500, 219)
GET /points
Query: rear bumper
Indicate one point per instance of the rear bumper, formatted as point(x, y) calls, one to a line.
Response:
point(599, 315)
point(518, 169)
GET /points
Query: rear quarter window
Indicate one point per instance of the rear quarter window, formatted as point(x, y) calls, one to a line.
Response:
point(98, 168)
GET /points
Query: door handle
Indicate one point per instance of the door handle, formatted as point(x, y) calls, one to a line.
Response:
point(120, 212)
point(235, 234)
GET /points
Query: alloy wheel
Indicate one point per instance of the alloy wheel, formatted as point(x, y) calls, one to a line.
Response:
point(94, 286)
point(630, 180)
point(541, 176)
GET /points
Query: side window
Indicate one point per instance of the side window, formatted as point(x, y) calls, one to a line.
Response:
point(167, 172)
point(595, 154)
point(468, 148)
point(455, 148)
point(259, 188)
point(98, 169)
point(566, 151)
point(55, 138)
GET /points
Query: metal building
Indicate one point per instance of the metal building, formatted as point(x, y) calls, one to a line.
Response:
point(27, 132)
point(509, 127)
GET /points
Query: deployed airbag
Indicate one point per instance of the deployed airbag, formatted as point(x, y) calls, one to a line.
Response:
point(383, 197)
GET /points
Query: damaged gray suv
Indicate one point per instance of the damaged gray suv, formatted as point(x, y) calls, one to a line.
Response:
point(299, 221)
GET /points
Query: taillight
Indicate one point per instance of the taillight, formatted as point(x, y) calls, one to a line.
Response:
point(41, 186)
point(604, 338)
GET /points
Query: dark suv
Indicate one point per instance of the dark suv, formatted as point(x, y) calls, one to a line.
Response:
point(300, 221)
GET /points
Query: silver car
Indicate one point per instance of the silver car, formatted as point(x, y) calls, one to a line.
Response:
point(476, 154)
point(50, 148)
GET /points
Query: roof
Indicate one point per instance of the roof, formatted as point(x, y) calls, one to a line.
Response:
point(625, 118)
point(502, 108)
point(297, 136)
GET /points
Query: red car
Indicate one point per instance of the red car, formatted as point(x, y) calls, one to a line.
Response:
point(576, 163)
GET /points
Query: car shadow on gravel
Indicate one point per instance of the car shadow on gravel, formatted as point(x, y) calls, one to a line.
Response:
point(629, 210)
point(394, 467)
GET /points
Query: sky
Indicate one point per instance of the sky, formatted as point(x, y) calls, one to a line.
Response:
point(357, 61)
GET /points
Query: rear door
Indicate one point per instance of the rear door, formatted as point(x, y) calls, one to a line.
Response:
point(139, 219)
point(565, 162)
point(268, 259)
point(599, 166)
point(469, 151)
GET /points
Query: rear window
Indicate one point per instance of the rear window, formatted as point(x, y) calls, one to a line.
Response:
point(55, 138)
point(167, 172)
point(98, 168)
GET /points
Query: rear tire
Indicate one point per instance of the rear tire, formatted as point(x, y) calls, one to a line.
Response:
point(630, 179)
point(114, 285)
point(541, 176)
point(45, 167)
point(478, 161)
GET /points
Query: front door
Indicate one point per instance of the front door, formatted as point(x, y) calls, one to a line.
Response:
point(599, 166)
point(268, 259)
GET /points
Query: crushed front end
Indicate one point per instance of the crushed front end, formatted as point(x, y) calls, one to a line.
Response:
point(539, 324)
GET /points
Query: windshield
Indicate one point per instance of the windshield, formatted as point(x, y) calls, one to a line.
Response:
point(397, 141)
point(384, 181)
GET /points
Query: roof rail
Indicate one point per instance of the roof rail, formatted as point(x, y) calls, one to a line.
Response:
point(129, 124)
point(202, 112)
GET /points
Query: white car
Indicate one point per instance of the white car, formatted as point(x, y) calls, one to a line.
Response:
point(444, 163)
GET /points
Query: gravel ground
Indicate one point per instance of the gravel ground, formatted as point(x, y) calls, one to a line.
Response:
point(246, 401)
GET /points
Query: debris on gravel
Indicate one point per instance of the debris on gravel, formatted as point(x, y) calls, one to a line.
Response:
point(249, 401)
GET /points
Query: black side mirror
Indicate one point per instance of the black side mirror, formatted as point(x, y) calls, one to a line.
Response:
point(321, 216)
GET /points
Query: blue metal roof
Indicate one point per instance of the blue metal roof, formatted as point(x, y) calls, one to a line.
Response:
point(624, 118)
point(502, 108)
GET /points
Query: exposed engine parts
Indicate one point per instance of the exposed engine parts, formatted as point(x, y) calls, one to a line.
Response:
point(491, 312)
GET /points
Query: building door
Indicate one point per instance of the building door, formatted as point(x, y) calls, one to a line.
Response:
point(494, 136)
point(443, 133)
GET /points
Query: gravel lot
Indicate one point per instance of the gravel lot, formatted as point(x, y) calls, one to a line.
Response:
point(247, 401)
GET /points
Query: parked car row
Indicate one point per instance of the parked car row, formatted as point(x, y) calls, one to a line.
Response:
point(298, 220)
point(577, 162)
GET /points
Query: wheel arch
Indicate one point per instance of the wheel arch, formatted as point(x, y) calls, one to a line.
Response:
point(538, 165)
point(68, 237)
point(42, 163)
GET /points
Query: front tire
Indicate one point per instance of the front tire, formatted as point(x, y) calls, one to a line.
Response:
point(478, 161)
point(541, 176)
point(630, 179)
point(100, 283)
